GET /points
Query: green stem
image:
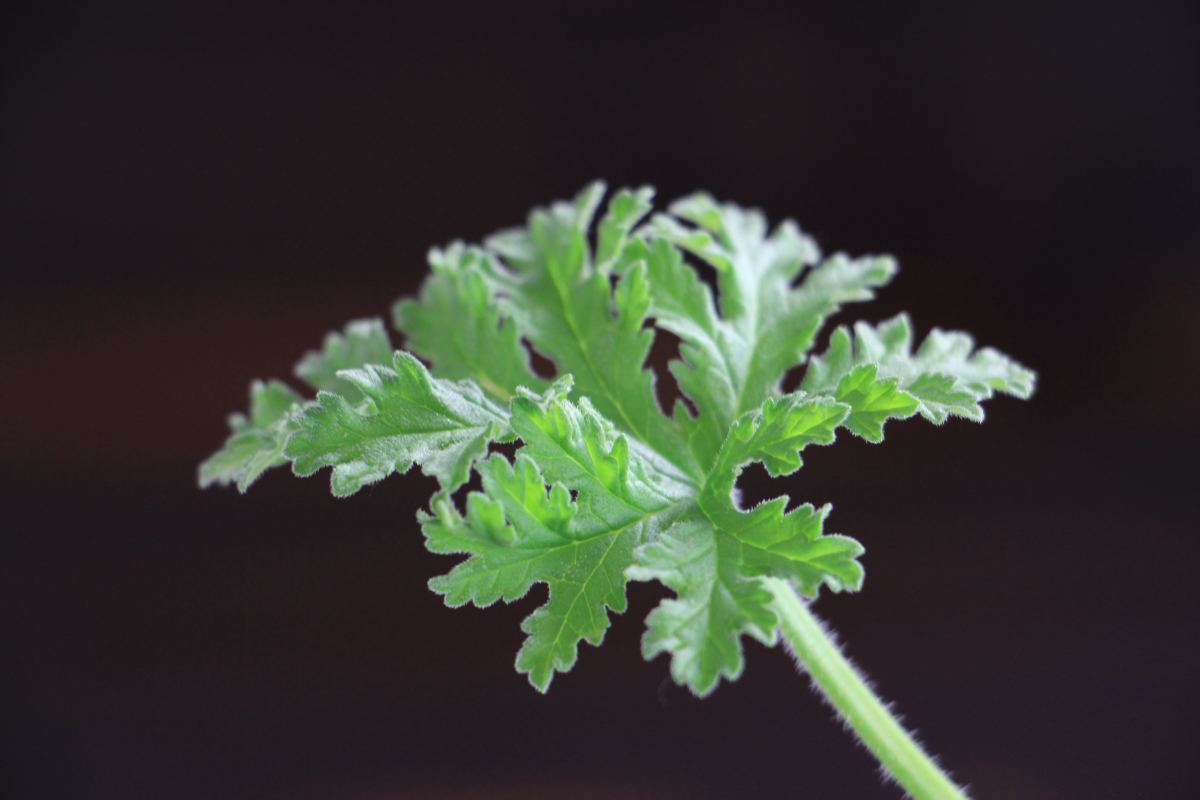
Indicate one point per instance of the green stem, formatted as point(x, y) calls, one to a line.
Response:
point(852, 698)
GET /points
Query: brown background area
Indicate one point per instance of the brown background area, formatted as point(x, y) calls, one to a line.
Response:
point(190, 198)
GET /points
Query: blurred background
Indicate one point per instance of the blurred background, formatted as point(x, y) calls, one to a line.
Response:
point(191, 196)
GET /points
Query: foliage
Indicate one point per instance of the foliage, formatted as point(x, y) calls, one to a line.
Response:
point(604, 485)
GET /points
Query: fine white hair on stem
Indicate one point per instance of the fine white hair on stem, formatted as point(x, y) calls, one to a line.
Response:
point(798, 662)
point(843, 686)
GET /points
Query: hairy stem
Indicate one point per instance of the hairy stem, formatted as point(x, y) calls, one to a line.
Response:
point(847, 691)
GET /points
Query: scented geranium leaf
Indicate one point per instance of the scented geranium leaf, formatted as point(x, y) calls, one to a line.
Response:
point(363, 342)
point(625, 210)
point(873, 401)
point(574, 444)
point(775, 435)
point(506, 558)
point(733, 361)
point(716, 603)
point(771, 540)
point(257, 441)
point(713, 559)
point(457, 326)
point(715, 569)
point(545, 280)
point(711, 368)
point(406, 417)
point(519, 532)
point(603, 486)
point(945, 377)
point(793, 545)
point(700, 243)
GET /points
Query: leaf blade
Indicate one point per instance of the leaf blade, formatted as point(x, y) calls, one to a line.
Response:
point(457, 327)
point(406, 418)
point(362, 342)
point(524, 527)
point(256, 442)
point(946, 376)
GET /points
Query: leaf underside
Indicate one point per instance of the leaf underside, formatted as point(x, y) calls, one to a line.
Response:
point(605, 486)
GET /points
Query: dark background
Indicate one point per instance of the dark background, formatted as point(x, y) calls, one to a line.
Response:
point(190, 198)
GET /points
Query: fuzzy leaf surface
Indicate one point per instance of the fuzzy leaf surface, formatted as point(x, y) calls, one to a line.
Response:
point(545, 278)
point(257, 440)
point(407, 417)
point(363, 342)
point(716, 603)
point(774, 295)
point(603, 485)
point(457, 326)
point(713, 557)
point(525, 528)
point(876, 372)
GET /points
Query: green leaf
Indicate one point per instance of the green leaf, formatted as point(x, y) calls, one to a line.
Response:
point(775, 435)
point(257, 441)
point(713, 558)
point(407, 418)
point(873, 401)
point(945, 377)
point(573, 442)
point(519, 533)
point(457, 326)
point(715, 604)
point(711, 367)
point(363, 342)
point(625, 210)
point(773, 541)
point(733, 361)
point(545, 280)
point(603, 486)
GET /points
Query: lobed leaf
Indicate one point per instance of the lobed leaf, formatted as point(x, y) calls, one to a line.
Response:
point(604, 487)
point(363, 342)
point(735, 360)
point(257, 441)
point(716, 604)
point(457, 326)
point(406, 418)
point(517, 532)
point(545, 280)
point(713, 559)
point(877, 373)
